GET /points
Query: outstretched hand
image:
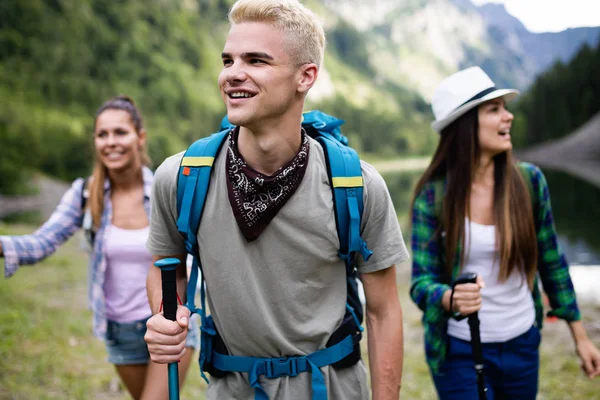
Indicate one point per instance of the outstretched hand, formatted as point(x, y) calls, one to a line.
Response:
point(590, 357)
point(166, 339)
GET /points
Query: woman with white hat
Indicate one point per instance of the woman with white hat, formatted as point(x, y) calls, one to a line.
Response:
point(477, 210)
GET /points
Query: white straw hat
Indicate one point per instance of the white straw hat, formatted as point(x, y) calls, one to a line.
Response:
point(461, 92)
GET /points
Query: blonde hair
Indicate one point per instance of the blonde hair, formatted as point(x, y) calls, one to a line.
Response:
point(302, 30)
point(95, 185)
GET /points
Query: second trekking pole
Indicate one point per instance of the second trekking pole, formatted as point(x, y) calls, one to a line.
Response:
point(168, 272)
point(473, 319)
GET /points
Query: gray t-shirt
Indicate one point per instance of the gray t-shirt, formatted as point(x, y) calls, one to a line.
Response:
point(284, 293)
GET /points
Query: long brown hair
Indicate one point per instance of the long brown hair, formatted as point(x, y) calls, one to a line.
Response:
point(99, 174)
point(455, 160)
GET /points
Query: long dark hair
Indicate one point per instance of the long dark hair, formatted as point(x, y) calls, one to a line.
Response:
point(455, 159)
point(96, 183)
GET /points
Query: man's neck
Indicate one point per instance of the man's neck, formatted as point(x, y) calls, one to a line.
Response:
point(269, 147)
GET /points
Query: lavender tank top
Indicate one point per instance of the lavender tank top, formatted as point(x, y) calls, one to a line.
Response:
point(127, 264)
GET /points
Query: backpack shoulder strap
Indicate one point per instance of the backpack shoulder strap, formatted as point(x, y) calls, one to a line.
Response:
point(85, 192)
point(192, 185)
point(87, 222)
point(346, 180)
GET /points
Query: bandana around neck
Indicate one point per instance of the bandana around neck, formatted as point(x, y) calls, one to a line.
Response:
point(256, 198)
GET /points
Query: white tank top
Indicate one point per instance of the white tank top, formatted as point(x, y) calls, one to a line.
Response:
point(127, 264)
point(507, 310)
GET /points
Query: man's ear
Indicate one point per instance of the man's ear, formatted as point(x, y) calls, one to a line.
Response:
point(308, 77)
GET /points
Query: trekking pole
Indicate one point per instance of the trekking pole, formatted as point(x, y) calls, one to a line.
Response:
point(168, 274)
point(473, 319)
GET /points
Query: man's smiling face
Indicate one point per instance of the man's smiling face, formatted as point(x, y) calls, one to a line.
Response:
point(259, 80)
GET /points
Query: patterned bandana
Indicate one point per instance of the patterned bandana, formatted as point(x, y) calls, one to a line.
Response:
point(256, 198)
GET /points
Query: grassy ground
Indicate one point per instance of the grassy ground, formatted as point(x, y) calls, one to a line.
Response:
point(47, 350)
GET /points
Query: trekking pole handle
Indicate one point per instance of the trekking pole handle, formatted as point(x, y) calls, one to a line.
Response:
point(465, 277)
point(168, 273)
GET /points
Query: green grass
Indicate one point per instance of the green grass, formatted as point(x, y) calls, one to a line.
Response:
point(47, 350)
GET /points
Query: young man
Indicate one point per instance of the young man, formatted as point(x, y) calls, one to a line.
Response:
point(268, 240)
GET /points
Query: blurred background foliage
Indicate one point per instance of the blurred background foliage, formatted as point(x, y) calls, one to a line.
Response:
point(60, 59)
point(560, 100)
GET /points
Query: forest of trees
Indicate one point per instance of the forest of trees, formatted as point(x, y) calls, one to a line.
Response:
point(560, 100)
point(59, 60)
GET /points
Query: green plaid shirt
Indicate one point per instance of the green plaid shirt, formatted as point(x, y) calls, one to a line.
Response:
point(428, 285)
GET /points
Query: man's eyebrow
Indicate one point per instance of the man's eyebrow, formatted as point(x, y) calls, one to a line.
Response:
point(253, 54)
point(257, 54)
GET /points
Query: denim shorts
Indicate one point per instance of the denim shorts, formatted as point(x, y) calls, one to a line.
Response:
point(125, 341)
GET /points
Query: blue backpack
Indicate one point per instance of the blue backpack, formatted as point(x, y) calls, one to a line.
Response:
point(345, 176)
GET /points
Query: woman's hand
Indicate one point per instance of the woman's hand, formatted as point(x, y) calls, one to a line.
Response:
point(590, 357)
point(586, 350)
point(466, 299)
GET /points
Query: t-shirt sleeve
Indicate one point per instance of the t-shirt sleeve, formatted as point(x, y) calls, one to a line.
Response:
point(164, 238)
point(379, 227)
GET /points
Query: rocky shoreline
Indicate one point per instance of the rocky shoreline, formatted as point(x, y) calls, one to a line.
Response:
point(577, 154)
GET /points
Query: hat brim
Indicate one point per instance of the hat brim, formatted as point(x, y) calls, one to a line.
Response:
point(508, 94)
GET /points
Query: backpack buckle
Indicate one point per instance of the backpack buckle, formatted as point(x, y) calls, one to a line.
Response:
point(288, 366)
